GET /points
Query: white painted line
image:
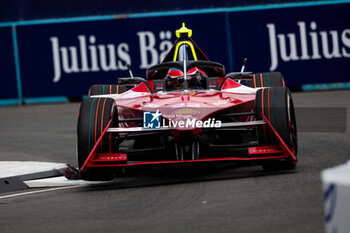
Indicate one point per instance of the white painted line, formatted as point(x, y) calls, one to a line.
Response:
point(18, 168)
point(38, 191)
point(60, 181)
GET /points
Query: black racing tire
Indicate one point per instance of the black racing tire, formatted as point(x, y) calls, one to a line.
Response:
point(276, 105)
point(269, 79)
point(94, 115)
point(100, 89)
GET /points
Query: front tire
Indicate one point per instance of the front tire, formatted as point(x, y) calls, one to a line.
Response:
point(100, 89)
point(94, 115)
point(269, 79)
point(276, 105)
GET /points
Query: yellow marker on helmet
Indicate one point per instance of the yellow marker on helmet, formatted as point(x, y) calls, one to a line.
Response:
point(183, 32)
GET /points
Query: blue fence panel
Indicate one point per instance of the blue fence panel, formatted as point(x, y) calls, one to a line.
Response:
point(67, 58)
point(307, 44)
point(7, 67)
point(43, 9)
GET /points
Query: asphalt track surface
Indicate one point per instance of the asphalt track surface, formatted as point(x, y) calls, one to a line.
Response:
point(224, 200)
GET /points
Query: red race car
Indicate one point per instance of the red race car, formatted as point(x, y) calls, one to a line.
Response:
point(187, 111)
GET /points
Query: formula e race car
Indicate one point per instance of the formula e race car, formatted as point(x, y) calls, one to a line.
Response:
point(186, 111)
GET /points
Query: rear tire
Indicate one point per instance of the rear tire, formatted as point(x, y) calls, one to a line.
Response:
point(270, 79)
point(94, 115)
point(277, 106)
point(106, 89)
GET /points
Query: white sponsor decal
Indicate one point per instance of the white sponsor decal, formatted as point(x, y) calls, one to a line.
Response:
point(150, 105)
point(225, 101)
point(152, 120)
point(297, 46)
point(182, 105)
point(192, 123)
point(93, 57)
point(147, 42)
point(87, 55)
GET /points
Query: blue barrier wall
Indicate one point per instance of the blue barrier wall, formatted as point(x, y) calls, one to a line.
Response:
point(8, 82)
point(67, 58)
point(308, 43)
point(44, 9)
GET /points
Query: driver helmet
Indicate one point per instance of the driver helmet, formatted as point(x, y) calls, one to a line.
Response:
point(194, 77)
point(174, 79)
